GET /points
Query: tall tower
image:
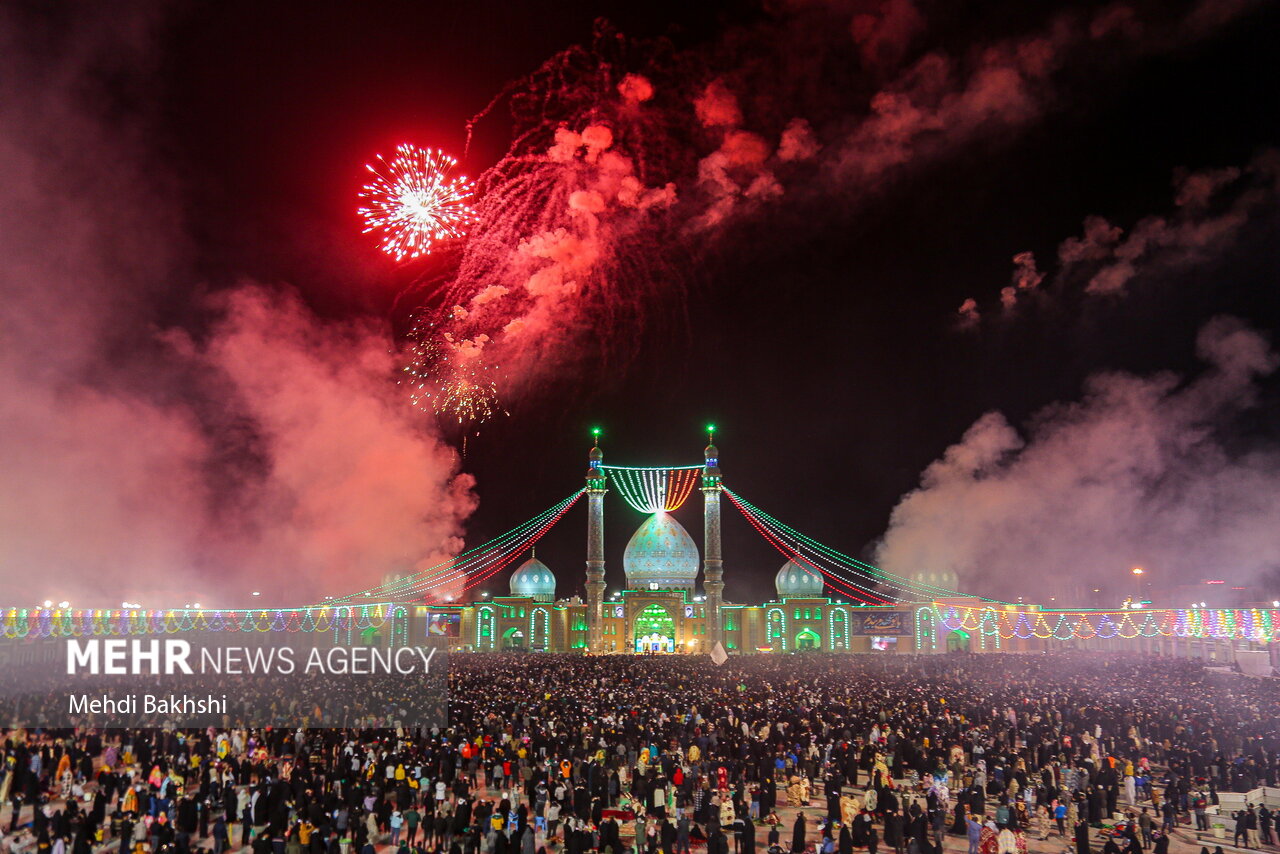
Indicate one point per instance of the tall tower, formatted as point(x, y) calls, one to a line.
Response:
point(596, 489)
point(712, 566)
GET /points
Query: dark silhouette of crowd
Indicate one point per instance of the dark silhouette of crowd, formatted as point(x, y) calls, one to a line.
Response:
point(622, 753)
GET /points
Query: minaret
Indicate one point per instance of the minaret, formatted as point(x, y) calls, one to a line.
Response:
point(712, 566)
point(596, 488)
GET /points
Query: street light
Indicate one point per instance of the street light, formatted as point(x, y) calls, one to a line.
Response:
point(1137, 570)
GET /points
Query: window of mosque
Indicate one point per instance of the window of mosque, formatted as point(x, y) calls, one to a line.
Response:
point(729, 624)
point(522, 612)
point(797, 613)
point(817, 613)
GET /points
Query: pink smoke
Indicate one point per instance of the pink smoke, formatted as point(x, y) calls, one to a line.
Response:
point(1136, 472)
point(272, 453)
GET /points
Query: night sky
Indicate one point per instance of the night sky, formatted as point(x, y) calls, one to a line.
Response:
point(818, 331)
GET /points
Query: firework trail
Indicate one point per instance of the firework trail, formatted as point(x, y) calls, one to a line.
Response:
point(415, 203)
point(568, 240)
point(632, 162)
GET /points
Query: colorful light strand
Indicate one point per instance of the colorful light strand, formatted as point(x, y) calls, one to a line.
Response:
point(860, 592)
point(336, 615)
point(497, 552)
point(1257, 625)
point(32, 623)
point(655, 490)
point(915, 591)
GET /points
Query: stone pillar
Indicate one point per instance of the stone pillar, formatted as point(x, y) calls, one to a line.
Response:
point(712, 565)
point(596, 488)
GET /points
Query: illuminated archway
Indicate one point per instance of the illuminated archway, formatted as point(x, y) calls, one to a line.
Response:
point(838, 628)
point(775, 628)
point(539, 628)
point(654, 630)
point(808, 639)
point(513, 638)
point(485, 627)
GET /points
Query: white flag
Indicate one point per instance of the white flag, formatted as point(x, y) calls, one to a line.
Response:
point(718, 655)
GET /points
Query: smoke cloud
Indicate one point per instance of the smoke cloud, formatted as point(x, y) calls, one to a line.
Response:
point(261, 450)
point(1211, 209)
point(1139, 471)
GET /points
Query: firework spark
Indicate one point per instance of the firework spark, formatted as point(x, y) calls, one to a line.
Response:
point(415, 203)
point(450, 379)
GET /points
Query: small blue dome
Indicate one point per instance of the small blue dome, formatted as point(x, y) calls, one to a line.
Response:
point(797, 581)
point(533, 578)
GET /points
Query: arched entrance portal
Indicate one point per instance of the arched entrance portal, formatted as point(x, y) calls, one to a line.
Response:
point(513, 639)
point(958, 641)
point(654, 630)
point(808, 639)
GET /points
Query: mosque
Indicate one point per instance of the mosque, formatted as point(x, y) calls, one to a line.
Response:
point(663, 610)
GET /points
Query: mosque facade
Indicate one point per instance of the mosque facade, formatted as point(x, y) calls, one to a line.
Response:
point(673, 600)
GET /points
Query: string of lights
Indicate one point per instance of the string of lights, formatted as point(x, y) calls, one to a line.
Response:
point(854, 589)
point(477, 577)
point(500, 550)
point(912, 590)
point(20, 623)
point(475, 566)
point(655, 490)
point(1260, 625)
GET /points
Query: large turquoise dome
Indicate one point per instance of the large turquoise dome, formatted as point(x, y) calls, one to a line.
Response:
point(661, 556)
point(797, 581)
point(533, 578)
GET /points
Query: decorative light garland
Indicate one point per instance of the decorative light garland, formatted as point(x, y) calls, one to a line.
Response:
point(1249, 624)
point(32, 623)
point(655, 490)
point(339, 615)
point(914, 590)
point(511, 543)
point(865, 595)
point(476, 579)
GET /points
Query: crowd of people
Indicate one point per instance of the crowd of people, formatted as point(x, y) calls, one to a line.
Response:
point(550, 753)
